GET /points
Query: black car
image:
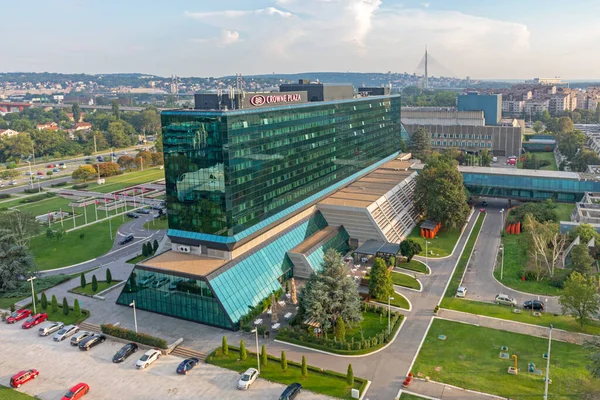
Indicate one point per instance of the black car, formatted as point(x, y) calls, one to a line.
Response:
point(174, 283)
point(536, 304)
point(91, 342)
point(126, 239)
point(186, 365)
point(291, 392)
point(132, 215)
point(484, 203)
point(125, 352)
point(142, 211)
point(160, 282)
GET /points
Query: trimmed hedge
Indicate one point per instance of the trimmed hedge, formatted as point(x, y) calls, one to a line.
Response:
point(33, 190)
point(80, 186)
point(127, 334)
point(59, 184)
point(5, 196)
point(39, 197)
point(363, 382)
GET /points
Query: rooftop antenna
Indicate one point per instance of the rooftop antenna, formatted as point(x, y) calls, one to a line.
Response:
point(231, 97)
point(426, 83)
point(239, 83)
point(220, 97)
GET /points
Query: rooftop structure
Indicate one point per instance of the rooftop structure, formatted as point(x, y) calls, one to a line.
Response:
point(490, 104)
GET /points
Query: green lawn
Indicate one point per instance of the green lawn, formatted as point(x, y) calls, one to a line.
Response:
point(406, 396)
point(7, 393)
point(563, 211)
point(414, 265)
point(102, 285)
point(46, 206)
point(469, 358)
point(316, 381)
point(399, 301)
point(126, 180)
point(515, 258)
point(371, 325)
point(543, 156)
point(158, 224)
point(405, 280)
point(58, 316)
point(564, 322)
point(16, 202)
point(462, 262)
point(71, 249)
point(6, 302)
point(441, 246)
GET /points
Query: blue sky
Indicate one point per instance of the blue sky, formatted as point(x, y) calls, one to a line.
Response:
point(477, 38)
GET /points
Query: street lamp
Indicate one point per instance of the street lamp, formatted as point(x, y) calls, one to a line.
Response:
point(502, 265)
point(389, 313)
point(426, 253)
point(548, 364)
point(132, 304)
point(31, 278)
point(255, 331)
point(30, 174)
point(502, 212)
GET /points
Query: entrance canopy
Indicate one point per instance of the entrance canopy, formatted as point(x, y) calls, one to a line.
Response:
point(374, 247)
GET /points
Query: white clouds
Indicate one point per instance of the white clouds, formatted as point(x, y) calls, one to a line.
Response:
point(238, 13)
point(426, 5)
point(362, 11)
point(227, 37)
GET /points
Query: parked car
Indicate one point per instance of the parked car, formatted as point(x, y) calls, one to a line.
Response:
point(34, 320)
point(28, 173)
point(65, 332)
point(132, 215)
point(18, 315)
point(461, 292)
point(291, 392)
point(148, 358)
point(90, 342)
point(77, 392)
point(174, 283)
point(160, 282)
point(11, 183)
point(125, 352)
point(88, 159)
point(142, 211)
point(247, 378)
point(126, 239)
point(147, 280)
point(23, 376)
point(40, 173)
point(50, 166)
point(80, 337)
point(50, 328)
point(484, 203)
point(535, 304)
point(187, 365)
point(62, 165)
point(55, 169)
point(506, 300)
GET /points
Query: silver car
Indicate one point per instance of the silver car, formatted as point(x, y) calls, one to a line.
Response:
point(80, 337)
point(66, 332)
point(50, 328)
point(506, 300)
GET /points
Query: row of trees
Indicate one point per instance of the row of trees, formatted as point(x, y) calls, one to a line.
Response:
point(54, 305)
point(106, 169)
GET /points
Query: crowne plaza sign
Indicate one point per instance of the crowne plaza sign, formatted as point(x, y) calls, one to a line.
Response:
point(259, 100)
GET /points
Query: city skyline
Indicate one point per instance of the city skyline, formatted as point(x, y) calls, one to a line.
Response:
point(468, 38)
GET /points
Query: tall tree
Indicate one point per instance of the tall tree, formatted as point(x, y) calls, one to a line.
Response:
point(419, 142)
point(380, 281)
point(565, 124)
point(115, 109)
point(538, 126)
point(581, 260)
point(546, 244)
point(440, 193)
point(340, 329)
point(22, 224)
point(329, 293)
point(580, 297)
point(409, 248)
point(76, 112)
point(15, 261)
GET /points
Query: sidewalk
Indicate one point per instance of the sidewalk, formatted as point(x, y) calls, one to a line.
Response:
point(513, 326)
point(445, 392)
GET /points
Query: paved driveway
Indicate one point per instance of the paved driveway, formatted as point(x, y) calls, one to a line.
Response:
point(62, 366)
point(478, 279)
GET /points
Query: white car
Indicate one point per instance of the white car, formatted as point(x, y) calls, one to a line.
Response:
point(506, 300)
point(65, 332)
point(148, 358)
point(461, 292)
point(247, 378)
point(50, 328)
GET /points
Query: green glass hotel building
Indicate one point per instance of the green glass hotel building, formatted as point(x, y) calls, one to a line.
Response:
point(243, 175)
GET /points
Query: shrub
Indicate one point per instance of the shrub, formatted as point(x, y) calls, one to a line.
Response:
point(224, 347)
point(65, 306)
point(154, 246)
point(76, 308)
point(243, 352)
point(44, 301)
point(50, 173)
point(263, 356)
point(127, 334)
point(340, 329)
point(350, 376)
point(54, 303)
point(108, 276)
point(94, 283)
point(58, 184)
point(4, 196)
point(144, 250)
point(80, 186)
point(83, 282)
point(304, 367)
point(283, 361)
point(33, 190)
point(39, 197)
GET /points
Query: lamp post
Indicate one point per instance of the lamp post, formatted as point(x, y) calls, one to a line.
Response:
point(132, 304)
point(502, 265)
point(255, 331)
point(426, 253)
point(548, 364)
point(30, 174)
point(31, 278)
point(389, 314)
point(502, 225)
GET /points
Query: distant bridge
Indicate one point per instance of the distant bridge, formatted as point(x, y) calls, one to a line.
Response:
point(7, 106)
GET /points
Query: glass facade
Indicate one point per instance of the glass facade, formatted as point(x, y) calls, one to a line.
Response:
point(252, 277)
point(229, 171)
point(165, 293)
point(339, 242)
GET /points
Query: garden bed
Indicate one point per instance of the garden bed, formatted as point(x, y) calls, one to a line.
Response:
point(404, 280)
point(398, 301)
point(414, 265)
point(87, 290)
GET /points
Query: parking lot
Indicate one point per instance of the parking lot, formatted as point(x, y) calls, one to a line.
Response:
point(61, 366)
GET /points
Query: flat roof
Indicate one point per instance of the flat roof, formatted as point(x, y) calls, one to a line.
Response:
point(313, 240)
point(364, 191)
point(186, 263)
point(518, 172)
point(372, 247)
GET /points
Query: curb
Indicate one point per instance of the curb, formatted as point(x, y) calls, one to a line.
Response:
point(395, 307)
point(348, 355)
point(415, 394)
point(404, 287)
point(416, 272)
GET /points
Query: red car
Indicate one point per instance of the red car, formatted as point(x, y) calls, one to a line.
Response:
point(77, 391)
point(18, 315)
point(21, 377)
point(34, 320)
point(41, 173)
point(50, 166)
